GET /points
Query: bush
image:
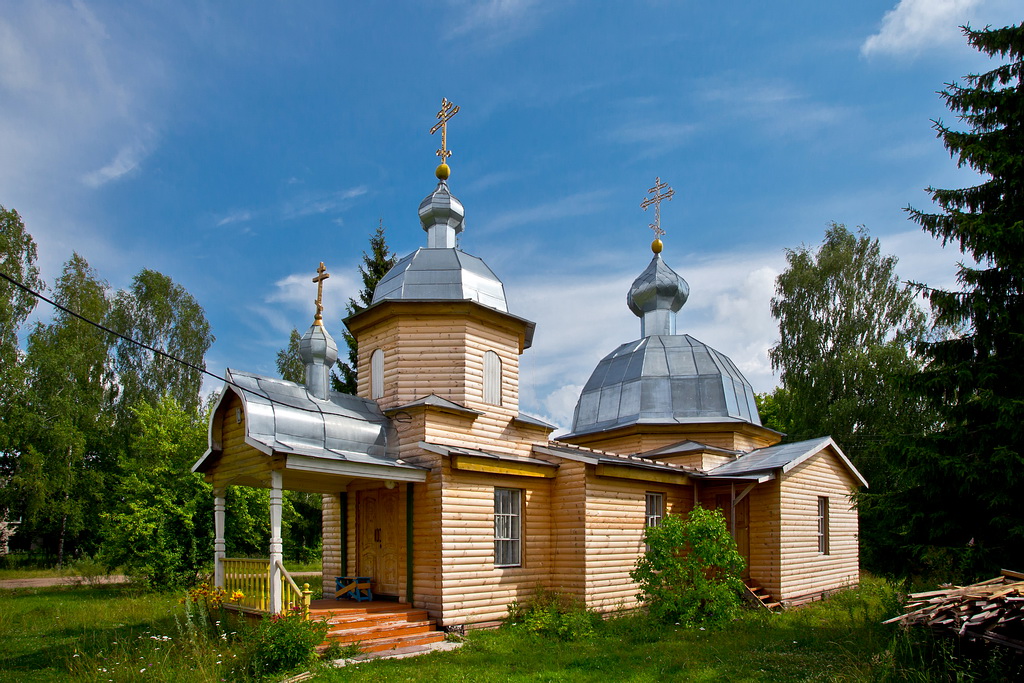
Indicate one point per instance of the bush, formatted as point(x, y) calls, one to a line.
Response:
point(691, 571)
point(553, 615)
point(281, 643)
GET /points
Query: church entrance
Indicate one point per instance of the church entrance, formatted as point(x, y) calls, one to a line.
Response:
point(380, 539)
point(742, 529)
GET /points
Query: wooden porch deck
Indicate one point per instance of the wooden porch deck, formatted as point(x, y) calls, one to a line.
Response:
point(377, 625)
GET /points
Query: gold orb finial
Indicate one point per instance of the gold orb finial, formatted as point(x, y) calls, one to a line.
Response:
point(443, 171)
point(657, 246)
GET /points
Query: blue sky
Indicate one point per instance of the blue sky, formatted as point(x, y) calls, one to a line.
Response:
point(234, 146)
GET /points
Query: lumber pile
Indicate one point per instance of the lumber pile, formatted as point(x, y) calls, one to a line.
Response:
point(992, 610)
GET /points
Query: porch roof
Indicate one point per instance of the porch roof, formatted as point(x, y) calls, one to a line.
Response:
point(784, 457)
point(345, 435)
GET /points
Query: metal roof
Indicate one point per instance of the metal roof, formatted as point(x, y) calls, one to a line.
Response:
point(593, 457)
point(664, 379)
point(445, 275)
point(283, 417)
point(782, 457)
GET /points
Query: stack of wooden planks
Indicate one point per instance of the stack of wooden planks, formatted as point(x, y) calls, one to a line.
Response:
point(992, 610)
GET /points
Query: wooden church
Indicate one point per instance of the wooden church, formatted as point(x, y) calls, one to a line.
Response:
point(438, 492)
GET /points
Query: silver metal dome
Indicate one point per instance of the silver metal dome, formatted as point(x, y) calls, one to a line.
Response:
point(656, 296)
point(318, 352)
point(664, 379)
point(442, 274)
point(440, 271)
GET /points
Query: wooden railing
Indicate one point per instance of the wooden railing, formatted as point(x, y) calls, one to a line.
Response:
point(293, 598)
point(251, 578)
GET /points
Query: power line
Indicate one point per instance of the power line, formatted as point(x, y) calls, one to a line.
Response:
point(157, 351)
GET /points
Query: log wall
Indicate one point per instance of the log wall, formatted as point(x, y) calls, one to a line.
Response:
point(764, 558)
point(807, 574)
point(331, 552)
point(474, 589)
point(614, 522)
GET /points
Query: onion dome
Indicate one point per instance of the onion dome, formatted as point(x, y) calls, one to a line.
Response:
point(656, 296)
point(440, 271)
point(663, 378)
point(442, 216)
point(318, 352)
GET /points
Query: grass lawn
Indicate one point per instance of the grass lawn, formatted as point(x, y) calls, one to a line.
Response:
point(114, 633)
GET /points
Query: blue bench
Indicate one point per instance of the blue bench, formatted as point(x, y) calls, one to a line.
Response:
point(353, 587)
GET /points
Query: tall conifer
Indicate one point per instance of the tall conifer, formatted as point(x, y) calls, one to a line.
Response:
point(965, 480)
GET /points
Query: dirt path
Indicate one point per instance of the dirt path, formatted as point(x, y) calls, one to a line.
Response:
point(59, 581)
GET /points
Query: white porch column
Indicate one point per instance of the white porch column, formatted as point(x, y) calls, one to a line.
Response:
point(219, 547)
point(276, 544)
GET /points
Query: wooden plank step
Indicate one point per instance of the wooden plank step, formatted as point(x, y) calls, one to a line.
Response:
point(379, 645)
point(374, 634)
point(372, 619)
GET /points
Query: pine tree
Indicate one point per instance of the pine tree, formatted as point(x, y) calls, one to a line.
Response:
point(962, 500)
point(375, 266)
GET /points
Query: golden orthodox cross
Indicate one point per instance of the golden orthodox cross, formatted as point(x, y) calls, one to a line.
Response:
point(448, 110)
point(322, 275)
point(656, 200)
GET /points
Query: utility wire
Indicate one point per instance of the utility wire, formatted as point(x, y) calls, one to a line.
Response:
point(128, 339)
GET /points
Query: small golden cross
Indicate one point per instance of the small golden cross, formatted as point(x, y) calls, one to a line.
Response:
point(656, 200)
point(322, 275)
point(448, 110)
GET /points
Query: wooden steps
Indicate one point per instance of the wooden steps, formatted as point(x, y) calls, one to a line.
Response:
point(758, 595)
point(376, 626)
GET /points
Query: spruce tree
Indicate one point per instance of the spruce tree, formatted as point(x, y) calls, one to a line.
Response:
point(375, 266)
point(962, 502)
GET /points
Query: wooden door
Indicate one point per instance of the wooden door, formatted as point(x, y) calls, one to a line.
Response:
point(380, 539)
point(742, 529)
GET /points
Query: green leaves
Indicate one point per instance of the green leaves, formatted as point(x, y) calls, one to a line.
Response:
point(691, 571)
point(963, 480)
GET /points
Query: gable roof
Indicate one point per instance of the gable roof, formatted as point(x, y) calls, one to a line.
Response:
point(783, 457)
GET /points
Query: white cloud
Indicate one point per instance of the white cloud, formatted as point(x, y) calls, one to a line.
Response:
point(579, 204)
point(914, 25)
point(124, 162)
point(291, 302)
point(781, 108)
point(498, 20)
point(321, 203)
point(239, 216)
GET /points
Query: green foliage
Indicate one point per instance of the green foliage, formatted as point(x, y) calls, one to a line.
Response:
point(691, 571)
point(553, 615)
point(769, 410)
point(161, 313)
point(18, 260)
point(63, 423)
point(280, 643)
point(846, 323)
point(158, 525)
point(289, 363)
point(846, 327)
point(961, 498)
point(375, 266)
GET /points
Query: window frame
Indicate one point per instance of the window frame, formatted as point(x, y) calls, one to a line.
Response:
point(823, 526)
point(508, 527)
point(653, 519)
point(492, 378)
point(377, 374)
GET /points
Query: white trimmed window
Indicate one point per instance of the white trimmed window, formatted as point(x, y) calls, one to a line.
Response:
point(492, 378)
point(377, 373)
point(823, 525)
point(508, 506)
point(655, 509)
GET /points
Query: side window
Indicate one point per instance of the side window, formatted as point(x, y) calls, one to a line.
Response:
point(655, 509)
point(507, 527)
point(492, 378)
point(823, 525)
point(377, 373)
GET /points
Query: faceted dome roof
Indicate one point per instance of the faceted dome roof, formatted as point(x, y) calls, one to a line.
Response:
point(664, 379)
point(658, 288)
point(442, 274)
